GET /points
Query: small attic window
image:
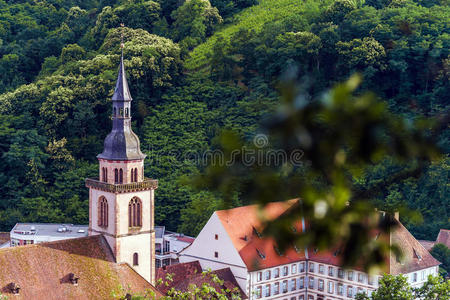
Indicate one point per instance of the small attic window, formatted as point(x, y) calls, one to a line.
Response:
point(73, 279)
point(261, 255)
point(14, 288)
point(296, 248)
point(315, 250)
point(417, 255)
point(245, 238)
point(277, 250)
point(336, 253)
point(255, 231)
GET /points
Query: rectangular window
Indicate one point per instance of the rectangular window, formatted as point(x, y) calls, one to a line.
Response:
point(320, 286)
point(341, 273)
point(311, 282)
point(311, 267)
point(360, 277)
point(370, 280)
point(301, 297)
point(302, 267)
point(267, 294)
point(276, 288)
point(259, 276)
point(301, 282)
point(310, 297)
point(294, 269)
point(423, 275)
point(340, 289)
point(216, 236)
point(350, 275)
point(350, 292)
point(293, 284)
point(276, 273)
point(258, 292)
point(267, 273)
point(166, 248)
point(285, 270)
point(330, 287)
point(321, 269)
point(360, 291)
point(415, 277)
point(330, 271)
point(216, 254)
point(285, 286)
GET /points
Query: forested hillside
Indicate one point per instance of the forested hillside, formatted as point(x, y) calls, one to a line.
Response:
point(195, 68)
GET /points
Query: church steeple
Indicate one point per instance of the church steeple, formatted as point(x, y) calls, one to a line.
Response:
point(122, 143)
point(121, 199)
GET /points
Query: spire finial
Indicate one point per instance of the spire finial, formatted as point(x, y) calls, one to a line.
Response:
point(121, 38)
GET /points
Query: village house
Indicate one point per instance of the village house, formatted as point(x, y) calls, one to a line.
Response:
point(231, 239)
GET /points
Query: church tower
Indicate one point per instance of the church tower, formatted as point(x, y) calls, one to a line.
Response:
point(121, 201)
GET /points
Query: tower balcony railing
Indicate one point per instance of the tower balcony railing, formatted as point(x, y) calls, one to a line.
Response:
point(146, 184)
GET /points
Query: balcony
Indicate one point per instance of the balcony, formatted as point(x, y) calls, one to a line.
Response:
point(146, 184)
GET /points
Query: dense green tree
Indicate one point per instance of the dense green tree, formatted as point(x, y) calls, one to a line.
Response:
point(442, 254)
point(391, 287)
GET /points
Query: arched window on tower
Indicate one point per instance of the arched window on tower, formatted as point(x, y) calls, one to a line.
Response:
point(115, 111)
point(104, 174)
point(135, 213)
point(103, 212)
point(126, 112)
point(135, 259)
point(132, 175)
point(120, 176)
point(116, 176)
point(135, 175)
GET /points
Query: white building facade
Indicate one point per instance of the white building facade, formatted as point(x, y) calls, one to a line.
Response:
point(230, 239)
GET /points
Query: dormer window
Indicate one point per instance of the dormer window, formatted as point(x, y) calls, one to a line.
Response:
point(417, 255)
point(73, 279)
point(260, 254)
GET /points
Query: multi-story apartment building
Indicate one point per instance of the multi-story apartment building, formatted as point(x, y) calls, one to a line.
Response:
point(231, 239)
point(167, 246)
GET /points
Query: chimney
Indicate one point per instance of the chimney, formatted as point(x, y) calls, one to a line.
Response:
point(397, 215)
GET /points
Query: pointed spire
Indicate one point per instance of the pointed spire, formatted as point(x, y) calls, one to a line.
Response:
point(121, 92)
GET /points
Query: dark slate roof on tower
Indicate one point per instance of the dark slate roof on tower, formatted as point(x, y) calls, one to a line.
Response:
point(122, 92)
point(121, 143)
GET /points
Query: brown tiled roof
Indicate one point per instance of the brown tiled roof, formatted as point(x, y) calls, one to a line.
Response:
point(42, 270)
point(415, 256)
point(427, 244)
point(444, 237)
point(187, 274)
point(4, 237)
point(178, 272)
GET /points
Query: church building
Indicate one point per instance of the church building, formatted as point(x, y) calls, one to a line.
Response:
point(118, 256)
point(121, 201)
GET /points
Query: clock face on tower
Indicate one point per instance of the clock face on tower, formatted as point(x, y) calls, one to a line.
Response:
point(121, 200)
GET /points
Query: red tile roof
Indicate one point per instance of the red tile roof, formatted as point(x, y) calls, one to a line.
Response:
point(187, 274)
point(178, 273)
point(262, 252)
point(42, 270)
point(242, 225)
point(444, 237)
point(427, 244)
point(185, 239)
